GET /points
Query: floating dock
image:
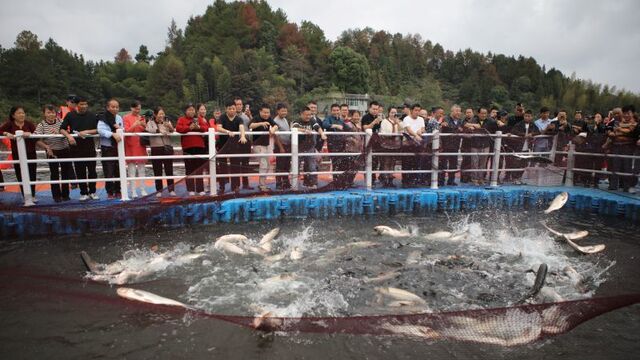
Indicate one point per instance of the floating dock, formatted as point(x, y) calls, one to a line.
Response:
point(419, 201)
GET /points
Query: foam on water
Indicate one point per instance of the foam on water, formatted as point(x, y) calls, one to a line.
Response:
point(491, 264)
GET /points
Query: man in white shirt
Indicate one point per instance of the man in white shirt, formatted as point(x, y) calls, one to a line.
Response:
point(546, 126)
point(414, 127)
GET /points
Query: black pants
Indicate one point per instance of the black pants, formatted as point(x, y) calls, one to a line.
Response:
point(159, 164)
point(624, 165)
point(447, 162)
point(465, 177)
point(283, 164)
point(230, 166)
point(60, 171)
point(194, 166)
point(85, 169)
point(110, 169)
point(1, 181)
point(243, 164)
point(32, 175)
point(416, 162)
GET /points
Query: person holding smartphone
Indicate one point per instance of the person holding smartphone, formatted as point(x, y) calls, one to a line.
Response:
point(193, 145)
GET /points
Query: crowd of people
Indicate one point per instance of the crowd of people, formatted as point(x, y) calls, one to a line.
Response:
point(403, 129)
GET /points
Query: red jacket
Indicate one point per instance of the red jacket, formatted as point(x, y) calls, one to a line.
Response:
point(192, 141)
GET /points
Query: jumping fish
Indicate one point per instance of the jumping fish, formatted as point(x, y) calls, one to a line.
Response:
point(558, 202)
point(296, 253)
point(400, 294)
point(255, 249)
point(232, 238)
point(548, 294)
point(277, 257)
point(230, 247)
point(439, 235)
point(266, 321)
point(458, 237)
point(576, 279)
point(386, 230)
point(147, 297)
point(268, 237)
point(541, 275)
point(115, 267)
point(576, 235)
point(589, 249)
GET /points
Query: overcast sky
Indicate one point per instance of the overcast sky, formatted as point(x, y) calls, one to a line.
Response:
point(598, 40)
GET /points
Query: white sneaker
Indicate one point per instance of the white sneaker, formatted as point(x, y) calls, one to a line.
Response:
point(202, 193)
point(84, 197)
point(158, 194)
point(34, 200)
point(172, 193)
point(134, 195)
point(93, 196)
point(143, 192)
point(192, 193)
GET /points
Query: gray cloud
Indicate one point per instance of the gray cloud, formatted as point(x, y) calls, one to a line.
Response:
point(595, 40)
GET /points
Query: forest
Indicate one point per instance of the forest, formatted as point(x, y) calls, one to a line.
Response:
point(248, 49)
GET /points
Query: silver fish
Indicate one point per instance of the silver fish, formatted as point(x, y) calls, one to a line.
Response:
point(268, 237)
point(230, 247)
point(296, 253)
point(439, 235)
point(386, 230)
point(232, 238)
point(147, 297)
point(400, 294)
point(558, 202)
point(576, 235)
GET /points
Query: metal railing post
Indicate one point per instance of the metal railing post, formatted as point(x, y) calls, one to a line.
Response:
point(213, 189)
point(495, 168)
point(369, 162)
point(570, 165)
point(295, 167)
point(122, 167)
point(435, 159)
point(24, 168)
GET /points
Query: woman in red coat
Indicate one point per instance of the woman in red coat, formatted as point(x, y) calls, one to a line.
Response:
point(193, 145)
point(134, 123)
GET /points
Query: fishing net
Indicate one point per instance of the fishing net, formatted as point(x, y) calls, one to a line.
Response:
point(510, 326)
point(505, 327)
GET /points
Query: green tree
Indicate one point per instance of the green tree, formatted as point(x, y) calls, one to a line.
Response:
point(143, 54)
point(350, 70)
point(165, 83)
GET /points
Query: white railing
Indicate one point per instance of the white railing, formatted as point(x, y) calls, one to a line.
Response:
point(295, 155)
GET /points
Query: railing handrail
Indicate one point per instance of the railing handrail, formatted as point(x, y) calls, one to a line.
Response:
point(236, 133)
point(295, 155)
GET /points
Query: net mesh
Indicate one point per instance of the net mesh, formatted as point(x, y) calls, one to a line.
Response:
point(516, 325)
point(508, 326)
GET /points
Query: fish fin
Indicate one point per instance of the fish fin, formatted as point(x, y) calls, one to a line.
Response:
point(89, 263)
